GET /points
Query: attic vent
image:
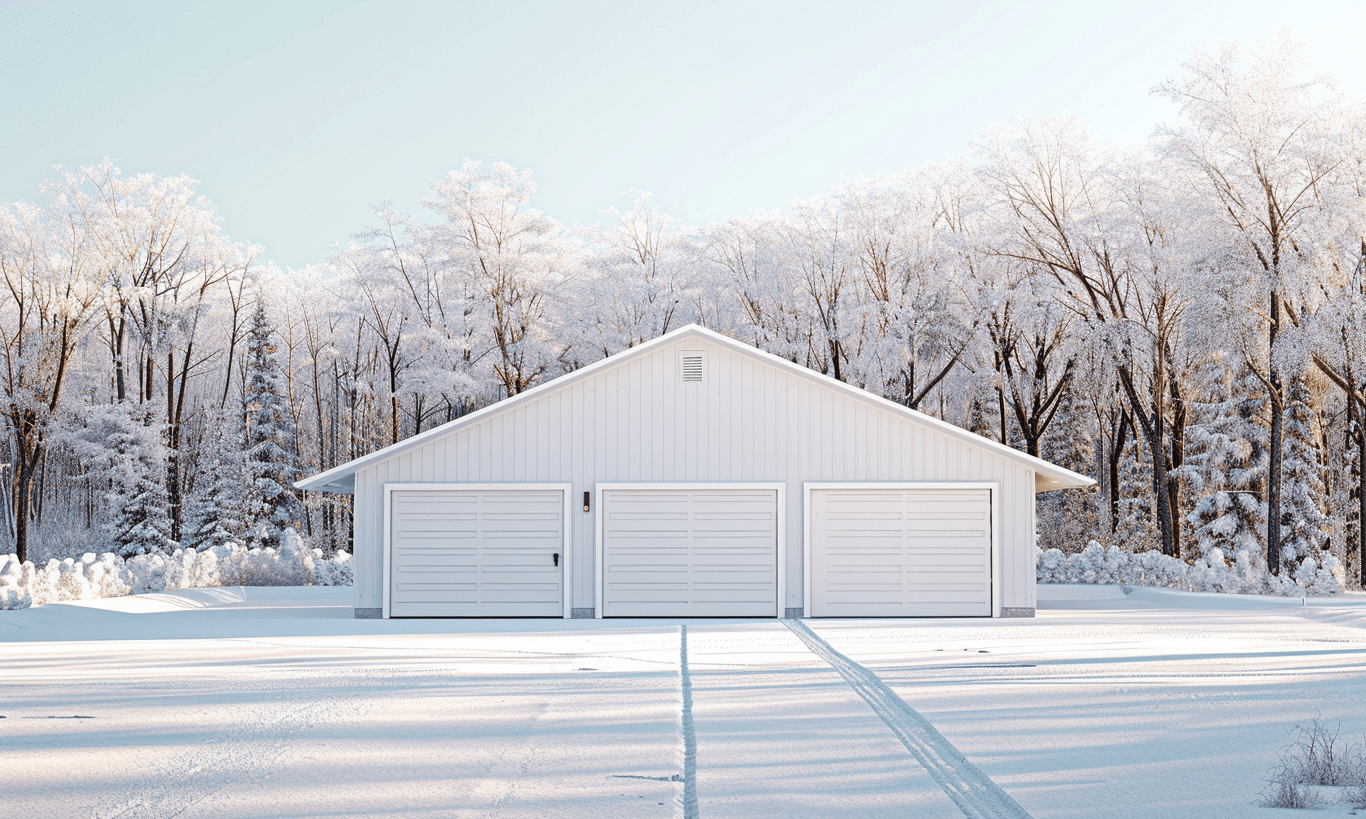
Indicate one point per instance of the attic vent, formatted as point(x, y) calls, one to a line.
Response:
point(692, 366)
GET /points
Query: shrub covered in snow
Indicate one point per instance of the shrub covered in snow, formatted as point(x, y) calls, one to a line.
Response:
point(108, 575)
point(1245, 573)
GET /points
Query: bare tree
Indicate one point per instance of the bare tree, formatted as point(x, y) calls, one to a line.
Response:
point(51, 289)
point(1262, 142)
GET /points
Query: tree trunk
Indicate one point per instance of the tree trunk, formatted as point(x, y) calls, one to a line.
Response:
point(1361, 501)
point(1178, 458)
point(1001, 413)
point(116, 336)
point(1116, 454)
point(22, 487)
point(1273, 478)
point(27, 449)
point(1163, 512)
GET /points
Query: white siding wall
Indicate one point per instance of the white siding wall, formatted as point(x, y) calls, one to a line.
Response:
point(746, 421)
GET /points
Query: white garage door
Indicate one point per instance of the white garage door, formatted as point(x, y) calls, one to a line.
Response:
point(689, 552)
point(900, 552)
point(476, 552)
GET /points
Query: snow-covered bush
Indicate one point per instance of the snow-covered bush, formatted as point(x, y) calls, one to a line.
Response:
point(108, 575)
point(337, 571)
point(1317, 757)
point(15, 580)
point(1245, 574)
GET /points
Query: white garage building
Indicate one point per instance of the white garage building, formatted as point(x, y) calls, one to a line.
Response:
point(695, 476)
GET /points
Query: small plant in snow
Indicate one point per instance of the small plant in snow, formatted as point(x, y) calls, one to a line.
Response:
point(1356, 795)
point(1283, 791)
point(1317, 757)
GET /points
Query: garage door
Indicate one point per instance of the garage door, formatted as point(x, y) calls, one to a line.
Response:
point(476, 552)
point(900, 552)
point(689, 552)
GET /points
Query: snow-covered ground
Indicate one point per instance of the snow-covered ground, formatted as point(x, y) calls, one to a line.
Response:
point(229, 702)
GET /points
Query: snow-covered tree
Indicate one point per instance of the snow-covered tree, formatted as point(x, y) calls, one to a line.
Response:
point(124, 457)
point(1226, 470)
point(50, 275)
point(515, 258)
point(1303, 522)
point(216, 510)
point(272, 505)
point(634, 284)
point(1136, 530)
point(1262, 143)
point(143, 523)
point(1068, 520)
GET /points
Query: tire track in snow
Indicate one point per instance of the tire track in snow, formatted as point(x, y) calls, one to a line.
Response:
point(687, 803)
point(973, 791)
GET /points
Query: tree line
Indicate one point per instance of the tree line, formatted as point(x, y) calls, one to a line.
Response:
point(1182, 322)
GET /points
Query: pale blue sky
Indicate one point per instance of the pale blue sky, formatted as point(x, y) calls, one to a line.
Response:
point(299, 116)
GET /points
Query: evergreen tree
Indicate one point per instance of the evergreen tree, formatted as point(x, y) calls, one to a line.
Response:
point(977, 422)
point(1226, 467)
point(272, 504)
point(141, 521)
point(215, 513)
point(1303, 522)
point(1068, 520)
point(1137, 531)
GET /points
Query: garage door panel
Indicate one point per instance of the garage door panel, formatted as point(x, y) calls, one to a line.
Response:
point(890, 552)
point(476, 552)
point(717, 549)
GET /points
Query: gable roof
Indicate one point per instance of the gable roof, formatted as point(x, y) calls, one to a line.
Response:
point(1048, 476)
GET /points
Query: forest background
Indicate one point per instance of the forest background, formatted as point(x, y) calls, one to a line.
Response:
point(1183, 323)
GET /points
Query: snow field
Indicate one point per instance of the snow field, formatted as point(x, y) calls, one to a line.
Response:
point(780, 734)
point(108, 575)
point(973, 793)
point(1132, 710)
point(272, 702)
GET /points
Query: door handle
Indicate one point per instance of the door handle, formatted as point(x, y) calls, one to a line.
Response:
point(557, 558)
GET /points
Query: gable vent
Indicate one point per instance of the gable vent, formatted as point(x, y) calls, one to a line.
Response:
point(692, 366)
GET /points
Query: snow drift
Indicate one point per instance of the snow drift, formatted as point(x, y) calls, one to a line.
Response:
point(1244, 574)
point(108, 575)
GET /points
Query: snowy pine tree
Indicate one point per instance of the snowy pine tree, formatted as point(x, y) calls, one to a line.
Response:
point(1069, 520)
point(1304, 526)
point(977, 422)
point(123, 452)
point(216, 509)
point(272, 504)
point(1137, 531)
point(1226, 465)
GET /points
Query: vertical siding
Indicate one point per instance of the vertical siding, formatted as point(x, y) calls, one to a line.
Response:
point(747, 421)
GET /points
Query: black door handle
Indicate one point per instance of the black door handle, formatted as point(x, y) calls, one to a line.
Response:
point(557, 558)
